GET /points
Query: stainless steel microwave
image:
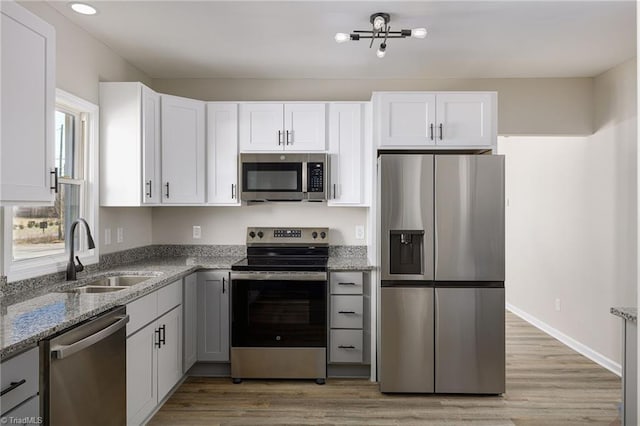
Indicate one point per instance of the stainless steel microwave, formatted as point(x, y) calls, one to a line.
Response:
point(283, 177)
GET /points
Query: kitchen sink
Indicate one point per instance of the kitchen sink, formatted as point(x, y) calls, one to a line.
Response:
point(91, 289)
point(119, 281)
point(109, 284)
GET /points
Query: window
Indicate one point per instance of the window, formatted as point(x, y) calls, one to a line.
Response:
point(36, 237)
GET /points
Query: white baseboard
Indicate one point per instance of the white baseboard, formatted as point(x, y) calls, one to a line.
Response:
point(581, 348)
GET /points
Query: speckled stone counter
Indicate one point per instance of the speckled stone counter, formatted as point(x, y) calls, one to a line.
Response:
point(629, 314)
point(348, 264)
point(36, 313)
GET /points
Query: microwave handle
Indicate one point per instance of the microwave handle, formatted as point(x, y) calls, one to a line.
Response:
point(304, 177)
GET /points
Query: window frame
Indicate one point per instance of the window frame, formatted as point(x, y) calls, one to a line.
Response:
point(89, 166)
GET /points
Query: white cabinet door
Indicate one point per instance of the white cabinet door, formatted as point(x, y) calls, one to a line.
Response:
point(170, 351)
point(406, 119)
point(142, 386)
point(465, 119)
point(183, 147)
point(190, 315)
point(151, 146)
point(304, 127)
point(261, 127)
point(27, 58)
point(213, 316)
point(222, 154)
point(346, 150)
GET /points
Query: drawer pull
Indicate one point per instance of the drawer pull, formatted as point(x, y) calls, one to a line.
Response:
point(346, 347)
point(346, 283)
point(346, 312)
point(12, 386)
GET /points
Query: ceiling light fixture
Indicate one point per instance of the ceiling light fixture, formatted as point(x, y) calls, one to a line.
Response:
point(83, 8)
point(380, 30)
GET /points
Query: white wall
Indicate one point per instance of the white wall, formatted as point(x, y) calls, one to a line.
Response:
point(571, 220)
point(227, 225)
point(81, 63)
point(531, 106)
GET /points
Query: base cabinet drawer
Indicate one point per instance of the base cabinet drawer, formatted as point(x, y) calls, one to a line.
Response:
point(19, 379)
point(345, 346)
point(346, 282)
point(346, 311)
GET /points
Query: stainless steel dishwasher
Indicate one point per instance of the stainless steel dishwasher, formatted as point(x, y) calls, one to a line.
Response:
point(85, 377)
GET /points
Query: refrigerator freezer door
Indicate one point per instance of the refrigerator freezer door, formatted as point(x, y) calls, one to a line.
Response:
point(469, 218)
point(469, 335)
point(406, 336)
point(406, 214)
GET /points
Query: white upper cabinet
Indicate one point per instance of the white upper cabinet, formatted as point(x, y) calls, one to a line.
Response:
point(222, 154)
point(27, 58)
point(129, 145)
point(406, 119)
point(183, 150)
point(465, 119)
point(277, 127)
point(436, 120)
point(346, 148)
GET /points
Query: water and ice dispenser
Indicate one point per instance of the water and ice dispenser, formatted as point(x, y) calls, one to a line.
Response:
point(406, 252)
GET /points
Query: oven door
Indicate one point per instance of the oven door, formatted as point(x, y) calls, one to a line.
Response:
point(282, 181)
point(278, 310)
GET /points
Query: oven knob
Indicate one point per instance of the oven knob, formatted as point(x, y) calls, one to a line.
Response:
point(252, 234)
point(260, 234)
point(278, 338)
point(323, 235)
point(314, 234)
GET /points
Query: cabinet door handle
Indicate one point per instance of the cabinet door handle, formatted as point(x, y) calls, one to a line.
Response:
point(346, 283)
point(163, 338)
point(346, 312)
point(54, 172)
point(280, 142)
point(346, 347)
point(431, 131)
point(233, 191)
point(440, 131)
point(167, 185)
point(12, 386)
point(223, 289)
point(334, 190)
point(288, 140)
point(158, 342)
point(149, 185)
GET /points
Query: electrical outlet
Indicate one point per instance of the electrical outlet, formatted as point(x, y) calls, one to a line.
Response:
point(119, 235)
point(359, 232)
point(107, 236)
point(558, 305)
point(197, 232)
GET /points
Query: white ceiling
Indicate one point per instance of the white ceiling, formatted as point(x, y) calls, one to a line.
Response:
point(294, 39)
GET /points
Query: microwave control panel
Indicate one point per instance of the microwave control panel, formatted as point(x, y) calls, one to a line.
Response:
point(315, 177)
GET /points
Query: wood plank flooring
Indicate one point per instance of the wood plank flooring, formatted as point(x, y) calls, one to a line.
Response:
point(547, 384)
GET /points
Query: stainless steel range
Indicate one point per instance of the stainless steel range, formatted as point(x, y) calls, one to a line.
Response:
point(279, 305)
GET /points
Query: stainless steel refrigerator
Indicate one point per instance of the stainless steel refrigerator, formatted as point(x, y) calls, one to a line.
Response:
point(441, 245)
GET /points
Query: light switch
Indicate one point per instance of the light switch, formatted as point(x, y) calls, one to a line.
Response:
point(107, 236)
point(197, 232)
point(359, 232)
point(119, 235)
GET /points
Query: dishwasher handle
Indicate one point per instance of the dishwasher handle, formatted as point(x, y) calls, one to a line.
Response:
point(63, 351)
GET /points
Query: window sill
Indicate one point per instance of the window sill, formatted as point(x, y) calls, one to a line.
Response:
point(32, 268)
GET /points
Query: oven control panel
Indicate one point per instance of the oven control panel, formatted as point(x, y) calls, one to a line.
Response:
point(288, 236)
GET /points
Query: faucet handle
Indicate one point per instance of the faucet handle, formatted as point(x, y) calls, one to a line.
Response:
point(79, 267)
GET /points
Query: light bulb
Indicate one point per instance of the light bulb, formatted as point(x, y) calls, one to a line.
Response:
point(419, 32)
point(83, 9)
point(341, 37)
point(378, 22)
point(382, 50)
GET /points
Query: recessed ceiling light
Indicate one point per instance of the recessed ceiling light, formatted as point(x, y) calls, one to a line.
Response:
point(83, 8)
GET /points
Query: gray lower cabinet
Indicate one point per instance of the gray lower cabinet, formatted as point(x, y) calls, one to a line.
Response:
point(630, 374)
point(19, 383)
point(213, 316)
point(349, 332)
point(190, 322)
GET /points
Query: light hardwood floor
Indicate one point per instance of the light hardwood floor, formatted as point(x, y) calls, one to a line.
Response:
point(547, 384)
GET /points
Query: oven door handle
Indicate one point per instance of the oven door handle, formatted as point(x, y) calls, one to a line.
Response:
point(279, 276)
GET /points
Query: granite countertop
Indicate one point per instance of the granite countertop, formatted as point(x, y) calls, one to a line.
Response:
point(629, 314)
point(29, 316)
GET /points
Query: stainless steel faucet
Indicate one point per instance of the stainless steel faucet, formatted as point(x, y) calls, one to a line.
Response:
point(72, 268)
